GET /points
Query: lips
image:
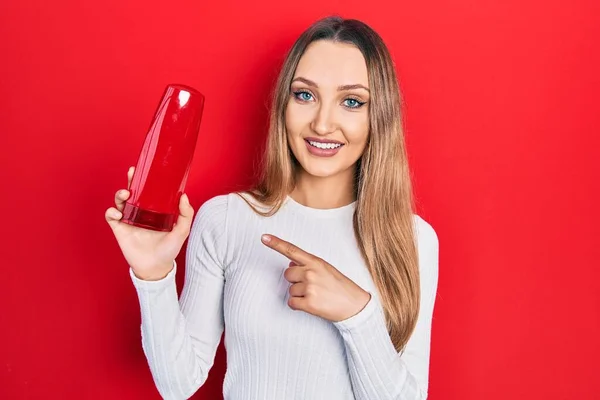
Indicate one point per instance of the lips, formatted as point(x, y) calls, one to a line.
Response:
point(323, 148)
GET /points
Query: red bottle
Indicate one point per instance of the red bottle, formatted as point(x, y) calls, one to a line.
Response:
point(165, 159)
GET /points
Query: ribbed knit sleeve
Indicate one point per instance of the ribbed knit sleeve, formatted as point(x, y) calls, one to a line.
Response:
point(180, 335)
point(376, 369)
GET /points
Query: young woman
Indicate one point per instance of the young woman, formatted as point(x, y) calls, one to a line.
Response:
point(321, 276)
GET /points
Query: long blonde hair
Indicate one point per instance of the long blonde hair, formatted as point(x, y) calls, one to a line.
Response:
point(383, 218)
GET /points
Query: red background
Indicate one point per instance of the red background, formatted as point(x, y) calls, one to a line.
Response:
point(502, 120)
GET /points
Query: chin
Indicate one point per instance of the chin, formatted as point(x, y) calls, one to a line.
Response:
point(321, 171)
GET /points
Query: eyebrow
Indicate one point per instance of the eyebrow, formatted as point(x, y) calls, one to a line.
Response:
point(340, 88)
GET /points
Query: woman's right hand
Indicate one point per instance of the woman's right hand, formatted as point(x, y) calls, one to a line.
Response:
point(149, 253)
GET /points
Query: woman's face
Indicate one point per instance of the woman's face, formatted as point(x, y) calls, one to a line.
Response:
point(327, 114)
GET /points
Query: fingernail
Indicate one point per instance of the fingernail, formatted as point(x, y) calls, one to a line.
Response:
point(266, 238)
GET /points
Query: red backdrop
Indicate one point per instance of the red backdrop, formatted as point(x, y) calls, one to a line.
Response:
point(502, 122)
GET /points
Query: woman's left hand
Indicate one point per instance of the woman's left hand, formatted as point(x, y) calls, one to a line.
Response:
point(317, 287)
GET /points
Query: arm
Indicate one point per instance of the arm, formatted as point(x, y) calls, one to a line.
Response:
point(180, 336)
point(377, 370)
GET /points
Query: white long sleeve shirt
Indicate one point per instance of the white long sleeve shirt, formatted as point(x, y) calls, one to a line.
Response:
point(235, 284)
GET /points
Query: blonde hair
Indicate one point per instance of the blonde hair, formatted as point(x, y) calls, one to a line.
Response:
point(383, 218)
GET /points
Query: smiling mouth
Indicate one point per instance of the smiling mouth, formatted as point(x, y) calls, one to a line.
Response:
point(324, 146)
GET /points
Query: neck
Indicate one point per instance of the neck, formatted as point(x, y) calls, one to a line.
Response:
point(324, 192)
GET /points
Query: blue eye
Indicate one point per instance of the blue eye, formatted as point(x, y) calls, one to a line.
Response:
point(353, 103)
point(303, 96)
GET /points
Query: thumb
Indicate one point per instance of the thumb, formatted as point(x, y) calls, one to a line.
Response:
point(186, 216)
point(113, 216)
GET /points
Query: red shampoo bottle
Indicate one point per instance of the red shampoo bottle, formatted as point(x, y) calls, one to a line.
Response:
point(165, 159)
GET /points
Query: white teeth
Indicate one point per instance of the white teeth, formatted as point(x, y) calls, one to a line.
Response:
point(324, 145)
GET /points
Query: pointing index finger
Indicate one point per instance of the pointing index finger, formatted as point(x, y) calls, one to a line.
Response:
point(287, 249)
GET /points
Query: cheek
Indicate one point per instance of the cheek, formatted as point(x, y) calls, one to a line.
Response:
point(293, 128)
point(293, 123)
point(357, 131)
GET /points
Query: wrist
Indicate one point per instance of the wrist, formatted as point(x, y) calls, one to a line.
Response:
point(358, 305)
point(362, 301)
point(364, 318)
point(154, 275)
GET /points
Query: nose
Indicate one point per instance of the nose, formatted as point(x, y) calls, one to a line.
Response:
point(323, 122)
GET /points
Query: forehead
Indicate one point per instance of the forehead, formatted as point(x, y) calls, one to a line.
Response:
point(329, 63)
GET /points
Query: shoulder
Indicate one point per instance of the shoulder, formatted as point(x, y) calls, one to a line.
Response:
point(426, 234)
point(222, 223)
point(428, 253)
point(214, 209)
point(212, 216)
point(223, 207)
point(209, 229)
